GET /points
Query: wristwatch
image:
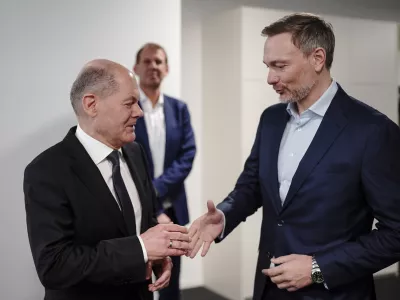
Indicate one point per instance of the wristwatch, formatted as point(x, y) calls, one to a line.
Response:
point(316, 274)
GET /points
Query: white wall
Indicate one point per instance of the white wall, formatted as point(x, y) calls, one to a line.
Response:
point(192, 94)
point(43, 46)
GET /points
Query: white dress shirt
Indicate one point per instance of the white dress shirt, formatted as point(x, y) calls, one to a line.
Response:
point(154, 119)
point(155, 125)
point(98, 152)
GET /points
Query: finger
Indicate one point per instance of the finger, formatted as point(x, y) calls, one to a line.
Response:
point(196, 248)
point(165, 276)
point(154, 288)
point(194, 239)
point(206, 247)
point(283, 259)
point(193, 230)
point(279, 279)
point(193, 243)
point(174, 227)
point(272, 272)
point(292, 289)
point(149, 270)
point(175, 252)
point(179, 236)
point(180, 245)
point(210, 206)
point(284, 285)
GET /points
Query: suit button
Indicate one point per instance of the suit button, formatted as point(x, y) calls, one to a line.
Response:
point(280, 223)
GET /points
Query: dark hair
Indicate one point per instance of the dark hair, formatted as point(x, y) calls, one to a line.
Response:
point(308, 32)
point(96, 80)
point(152, 46)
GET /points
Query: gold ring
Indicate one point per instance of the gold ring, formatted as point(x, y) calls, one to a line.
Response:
point(170, 244)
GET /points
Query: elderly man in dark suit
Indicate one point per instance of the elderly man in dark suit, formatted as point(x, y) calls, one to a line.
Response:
point(90, 202)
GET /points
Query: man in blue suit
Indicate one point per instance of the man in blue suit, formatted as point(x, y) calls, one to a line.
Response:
point(322, 166)
point(167, 137)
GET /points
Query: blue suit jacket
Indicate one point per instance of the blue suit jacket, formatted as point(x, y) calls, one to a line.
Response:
point(349, 175)
point(180, 150)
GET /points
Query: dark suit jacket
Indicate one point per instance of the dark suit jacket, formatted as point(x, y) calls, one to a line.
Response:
point(78, 239)
point(349, 175)
point(180, 150)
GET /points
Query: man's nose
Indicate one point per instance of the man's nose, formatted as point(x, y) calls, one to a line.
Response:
point(272, 78)
point(153, 65)
point(137, 112)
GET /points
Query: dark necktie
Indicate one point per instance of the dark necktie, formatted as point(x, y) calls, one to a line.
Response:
point(122, 193)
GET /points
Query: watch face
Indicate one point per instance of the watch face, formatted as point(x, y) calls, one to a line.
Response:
point(317, 277)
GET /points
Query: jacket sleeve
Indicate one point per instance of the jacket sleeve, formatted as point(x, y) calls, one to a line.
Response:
point(245, 199)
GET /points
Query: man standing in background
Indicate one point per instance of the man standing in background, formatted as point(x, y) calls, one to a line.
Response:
point(167, 137)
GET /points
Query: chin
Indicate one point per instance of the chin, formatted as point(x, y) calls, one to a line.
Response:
point(287, 100)
point(129, 138)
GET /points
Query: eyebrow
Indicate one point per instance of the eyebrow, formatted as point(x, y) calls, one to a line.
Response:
point(131, 99)
point(275, 62)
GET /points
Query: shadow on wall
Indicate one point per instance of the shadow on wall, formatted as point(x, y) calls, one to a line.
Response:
point(15, 257)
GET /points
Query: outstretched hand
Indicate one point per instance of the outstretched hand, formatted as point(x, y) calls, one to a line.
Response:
point(205, 230)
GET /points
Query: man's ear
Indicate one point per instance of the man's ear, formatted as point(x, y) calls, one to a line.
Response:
point(318, 59)
point(89, 104)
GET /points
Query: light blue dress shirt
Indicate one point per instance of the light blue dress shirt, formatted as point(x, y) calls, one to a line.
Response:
point(299, 132)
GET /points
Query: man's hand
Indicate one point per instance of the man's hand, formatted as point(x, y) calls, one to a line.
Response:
point(205, 229)
point(293, 272)
point(165, 240)
point(162, 269)
point(163, 219)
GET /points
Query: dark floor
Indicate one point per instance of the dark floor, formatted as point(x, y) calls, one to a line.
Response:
point(387, 288)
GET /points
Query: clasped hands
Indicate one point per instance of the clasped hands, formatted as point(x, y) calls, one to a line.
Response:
point(292, 273)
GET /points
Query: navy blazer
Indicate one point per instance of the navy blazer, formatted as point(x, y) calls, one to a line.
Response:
point(349, 175)
point(180, 150)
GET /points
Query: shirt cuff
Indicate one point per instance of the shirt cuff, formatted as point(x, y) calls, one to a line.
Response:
point(144, 250)
point(221, 236)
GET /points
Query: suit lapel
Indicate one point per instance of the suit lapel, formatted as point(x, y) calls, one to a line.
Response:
point(332, 124)
point(170, 124)
point(91, 177)
point(132, 159)
point(273, 141)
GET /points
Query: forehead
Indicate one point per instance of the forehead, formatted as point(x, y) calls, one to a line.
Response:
point(150, 52)
point(279, 47)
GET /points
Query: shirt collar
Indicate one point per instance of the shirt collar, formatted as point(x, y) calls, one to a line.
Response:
point(321, 105)
point(96, 149)
point(146, 101)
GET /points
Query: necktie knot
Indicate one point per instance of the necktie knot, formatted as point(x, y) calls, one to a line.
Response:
point(114, 158)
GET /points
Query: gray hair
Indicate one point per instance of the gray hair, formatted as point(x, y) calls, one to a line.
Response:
point(308, 33)
point(92, 79)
